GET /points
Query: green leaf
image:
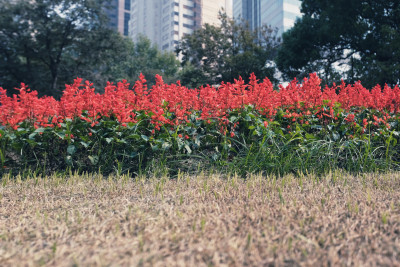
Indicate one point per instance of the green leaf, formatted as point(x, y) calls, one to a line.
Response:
point(109, 140)
point(71, 149)
point(154, 148)
point(145, 138)
point(31, 142)
point(233, 119)
point(134, 136)
point(121, 141)
point(69, 160)
point(319, 127)
point(197, 140)
point(257, 132)
point(188, 128)
point(188, 149)
point(40, 130)
point(165, 145)
point(32, 135)
point(310, 136)
point(394, 142)
point(335, 136)
point(85, 144)
point(94, 159)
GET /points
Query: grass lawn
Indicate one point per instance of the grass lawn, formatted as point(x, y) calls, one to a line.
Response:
point(207, 220)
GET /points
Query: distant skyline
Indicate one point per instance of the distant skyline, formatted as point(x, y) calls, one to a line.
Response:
point(165, 22)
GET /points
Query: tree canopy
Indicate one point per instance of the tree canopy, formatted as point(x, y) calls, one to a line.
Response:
point(143, 57)
point(45, 43)
point(48, 43)
point(223, 53)
point(353, 39)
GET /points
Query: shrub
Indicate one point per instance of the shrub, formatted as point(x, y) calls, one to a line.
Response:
point(236, 127)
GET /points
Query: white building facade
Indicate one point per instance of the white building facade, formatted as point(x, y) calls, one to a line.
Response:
point(165, 22)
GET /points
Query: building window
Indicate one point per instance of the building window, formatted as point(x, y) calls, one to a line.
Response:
point(187, 16)
point(187, 26)
point(165, 46)
point(127, 17)
point(127, 4)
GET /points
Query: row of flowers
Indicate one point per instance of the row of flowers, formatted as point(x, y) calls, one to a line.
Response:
point(132, 127)
point(173, 104)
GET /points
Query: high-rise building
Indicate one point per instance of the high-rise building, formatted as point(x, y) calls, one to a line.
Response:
point(280, 14)
point(119, 13)
point(249, 10)
point(165, 22)
point(210, 9)
point(145, 19)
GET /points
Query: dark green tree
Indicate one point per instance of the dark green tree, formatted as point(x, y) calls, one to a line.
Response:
point(143, 57)
point(223, 53)
point(47, 43)
point(350, 39)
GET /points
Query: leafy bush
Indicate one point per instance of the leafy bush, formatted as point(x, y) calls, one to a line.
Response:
point(235, 127)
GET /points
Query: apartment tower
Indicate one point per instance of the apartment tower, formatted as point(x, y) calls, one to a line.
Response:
point(165, 22)
point(280, 14)
point(119, 13)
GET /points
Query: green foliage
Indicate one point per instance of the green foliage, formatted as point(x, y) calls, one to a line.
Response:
point(362, 35)
point(281, 147)
point(142, 57)
point(223, 53)
point(46, 43)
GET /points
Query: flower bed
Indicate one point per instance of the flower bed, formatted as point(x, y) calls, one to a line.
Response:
point(241, 127)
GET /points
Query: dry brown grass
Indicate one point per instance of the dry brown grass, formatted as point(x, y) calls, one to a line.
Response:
point(201, 221)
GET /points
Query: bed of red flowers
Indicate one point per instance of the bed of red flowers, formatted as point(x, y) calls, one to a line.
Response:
point(124, 128)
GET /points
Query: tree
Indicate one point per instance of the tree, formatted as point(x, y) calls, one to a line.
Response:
point(46, 43)
point(363, 36)
point(143, 57)
point(223, 53)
